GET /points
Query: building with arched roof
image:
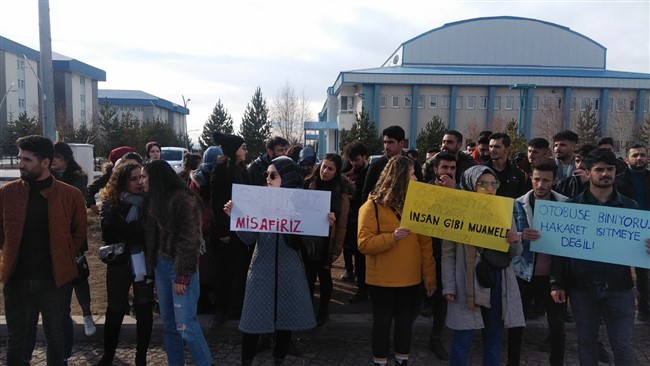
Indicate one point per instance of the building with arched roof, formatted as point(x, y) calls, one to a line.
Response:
point(478, 74)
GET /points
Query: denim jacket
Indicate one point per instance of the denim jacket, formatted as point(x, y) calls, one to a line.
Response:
point(524, 264)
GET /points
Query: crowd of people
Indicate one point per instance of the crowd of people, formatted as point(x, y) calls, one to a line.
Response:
point(168, 239)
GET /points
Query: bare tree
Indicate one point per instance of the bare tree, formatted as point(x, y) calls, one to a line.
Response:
point(549, 123)
point(473, 129)
point(621, 127)
point(288, 113)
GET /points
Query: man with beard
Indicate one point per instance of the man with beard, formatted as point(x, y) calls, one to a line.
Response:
point(513, 180)
point(452, 142)
point(533, 269)
point(444, 168)
point(275, 146)
point(394, 140)
point(634, 182)
point(598, 289)
point(43, 225)
point(537, 150)
point(563, 144)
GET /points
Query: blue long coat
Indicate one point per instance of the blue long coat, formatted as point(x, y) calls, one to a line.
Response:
point(271, 305)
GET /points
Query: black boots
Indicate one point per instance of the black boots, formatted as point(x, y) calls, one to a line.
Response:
point(360, 296)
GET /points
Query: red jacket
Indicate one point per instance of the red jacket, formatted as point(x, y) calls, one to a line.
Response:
point(67, 226)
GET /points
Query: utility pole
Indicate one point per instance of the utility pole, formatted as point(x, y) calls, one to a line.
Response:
point(46, 69)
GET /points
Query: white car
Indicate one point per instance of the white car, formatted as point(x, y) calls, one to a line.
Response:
point(174, 156)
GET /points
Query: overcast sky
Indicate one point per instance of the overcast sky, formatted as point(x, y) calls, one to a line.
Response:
point(211, 50)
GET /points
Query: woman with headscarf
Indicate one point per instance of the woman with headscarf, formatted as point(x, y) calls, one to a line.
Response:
point(173, 242)
point(471, 305)
point(277, 295)
point(152, 151)
point(323, 251)
point(233, 257)
point(397, 261)
point(122, 222)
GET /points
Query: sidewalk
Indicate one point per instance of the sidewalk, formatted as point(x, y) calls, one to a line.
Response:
point(345, 340)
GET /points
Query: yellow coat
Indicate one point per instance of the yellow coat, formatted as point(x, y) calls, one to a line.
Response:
point(391, 263)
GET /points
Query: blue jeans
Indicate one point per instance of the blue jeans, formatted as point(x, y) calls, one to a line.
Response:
point(178, 313)
point(21, 296)
point(617, 309)
point(461, 342)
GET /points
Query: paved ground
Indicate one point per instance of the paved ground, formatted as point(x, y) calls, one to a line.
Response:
point(343, 341)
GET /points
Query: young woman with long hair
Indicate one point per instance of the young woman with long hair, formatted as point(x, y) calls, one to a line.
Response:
point(173, 237)
point(327, 177)
point(397, 261)
point(122, 221)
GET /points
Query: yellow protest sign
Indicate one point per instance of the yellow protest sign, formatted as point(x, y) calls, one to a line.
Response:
point(462, 216)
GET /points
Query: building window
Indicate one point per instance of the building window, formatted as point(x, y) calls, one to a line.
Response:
point(610, 104)
point(347, 104)
point(509, 102)
point(535, 103)
point(21, 84)
point(420, 101)
point(21, 64)
point(445, 102)
point(483, 102)
point(547, 103)
point(382, 101)
point(645, 107)
point(471, 102)
point(83, 116)
point(21, 103)
point(596, 104)
point(583, 104)
point(559, 104)
point(407, 101)
point(433, 102)
point(497, 102)
point(632, 105)
point(620, 105)
point(459, 102)
point(573, 104)
point(395, 101)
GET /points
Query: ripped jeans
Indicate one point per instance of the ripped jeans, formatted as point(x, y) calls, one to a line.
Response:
point(178, 313)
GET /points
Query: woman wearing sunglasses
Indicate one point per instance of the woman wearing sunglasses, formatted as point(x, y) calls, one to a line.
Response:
point(471, 306)
point(277, 295)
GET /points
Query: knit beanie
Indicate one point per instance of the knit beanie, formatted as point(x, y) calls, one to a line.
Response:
point(229, 143)
point(289, 172)
point(118, 152)
point(307, 155)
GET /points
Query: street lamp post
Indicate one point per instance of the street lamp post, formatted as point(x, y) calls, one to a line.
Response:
point(523, 92)
point(2, 102)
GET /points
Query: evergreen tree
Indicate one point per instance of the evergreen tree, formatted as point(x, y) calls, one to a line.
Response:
point(518, 143)
point(363, 129)
point(160, 132)
point(23, 126)
point(220, 120)
point(588, 127)
point(430, 136)
point(255, 127)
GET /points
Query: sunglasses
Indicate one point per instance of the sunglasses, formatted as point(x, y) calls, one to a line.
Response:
point(486, 185)
point(273, 175)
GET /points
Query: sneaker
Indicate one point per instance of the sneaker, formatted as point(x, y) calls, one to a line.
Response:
point(89, 326)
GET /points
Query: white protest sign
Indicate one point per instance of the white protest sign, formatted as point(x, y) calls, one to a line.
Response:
point(279, 210)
